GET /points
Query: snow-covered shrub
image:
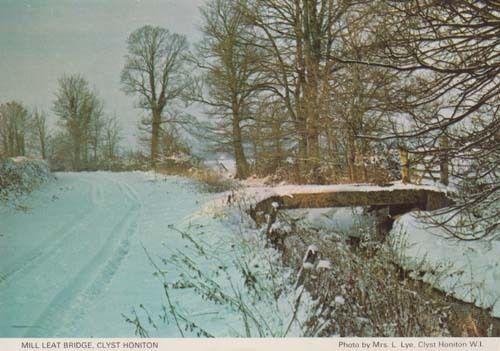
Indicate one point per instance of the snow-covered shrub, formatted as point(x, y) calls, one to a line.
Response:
point(21, 175)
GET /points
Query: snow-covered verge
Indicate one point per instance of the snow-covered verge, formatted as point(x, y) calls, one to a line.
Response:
point(19, 176)
point(468, 270)
point(246, 288)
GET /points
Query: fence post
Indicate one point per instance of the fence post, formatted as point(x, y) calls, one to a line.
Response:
point(405, 165)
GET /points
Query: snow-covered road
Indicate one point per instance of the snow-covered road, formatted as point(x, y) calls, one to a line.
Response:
point(74, 261)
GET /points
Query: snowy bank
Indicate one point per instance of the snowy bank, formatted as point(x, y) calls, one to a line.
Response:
point(21, 175)
point(467, 270)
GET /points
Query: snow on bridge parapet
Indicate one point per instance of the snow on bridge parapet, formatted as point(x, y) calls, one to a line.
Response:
point(397, 195)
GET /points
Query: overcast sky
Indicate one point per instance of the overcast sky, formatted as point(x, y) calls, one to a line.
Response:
point(42, 39)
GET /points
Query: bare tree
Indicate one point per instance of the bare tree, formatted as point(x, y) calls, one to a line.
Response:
point(154, 72)
point(95, 133)
point(14, 120)
point(447, 53)
point(111, 138)
point(298, 38)
point(231, 76)
point(273, 83)
point(78, 108)
point(40, 131)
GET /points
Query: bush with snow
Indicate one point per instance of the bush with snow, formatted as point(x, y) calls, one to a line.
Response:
point(20, 176)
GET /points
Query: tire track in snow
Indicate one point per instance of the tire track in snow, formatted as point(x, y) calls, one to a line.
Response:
point(96, 193)
point(56, 241)
point(109, 269)
point(126, 189)
point(70, 303)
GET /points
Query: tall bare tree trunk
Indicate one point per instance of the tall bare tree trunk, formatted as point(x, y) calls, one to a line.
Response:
point(42, 148)
point(351, 157)
point(443, 161)
point(155, 136)
point(301, 117)
point(239, 153)
point(302, 150)
point(312, 58)
point(241, 162)
point(278, 150)
point(76, 154)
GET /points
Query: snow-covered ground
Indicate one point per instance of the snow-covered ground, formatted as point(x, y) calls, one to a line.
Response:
point(75, 261)
point(468, 270)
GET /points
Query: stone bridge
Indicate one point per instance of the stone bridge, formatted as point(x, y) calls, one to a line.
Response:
point(398, 198)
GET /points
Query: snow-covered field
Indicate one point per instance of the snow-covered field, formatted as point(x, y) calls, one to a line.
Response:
point(76, 260)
